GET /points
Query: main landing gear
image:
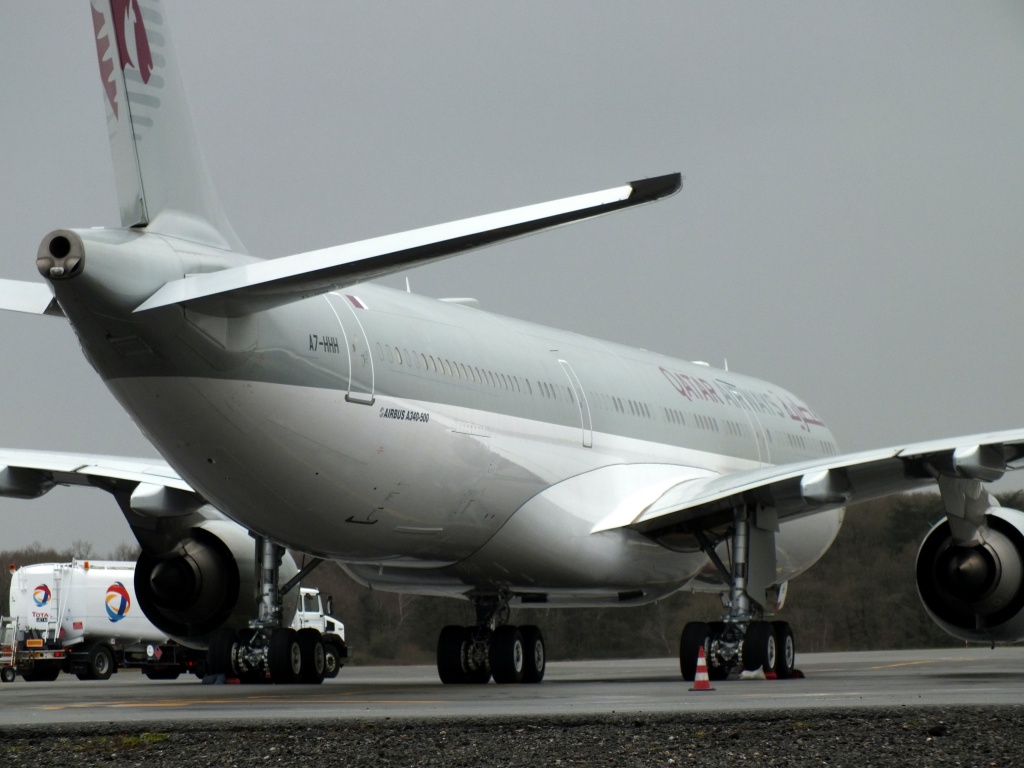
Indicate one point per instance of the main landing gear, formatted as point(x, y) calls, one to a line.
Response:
point(267, 649)
point(490, 648)
point(742, 639)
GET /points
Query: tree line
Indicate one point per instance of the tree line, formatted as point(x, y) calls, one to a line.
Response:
point(861, 595)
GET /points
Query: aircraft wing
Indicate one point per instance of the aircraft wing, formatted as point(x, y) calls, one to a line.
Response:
point(33, 298)
point(155, 488)
point(255, 287)
point(793, 490)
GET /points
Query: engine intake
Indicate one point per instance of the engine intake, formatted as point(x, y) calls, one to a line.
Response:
point(206, 582)
point(976, 593)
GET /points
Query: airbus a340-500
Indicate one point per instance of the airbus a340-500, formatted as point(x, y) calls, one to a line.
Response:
point(432, 448)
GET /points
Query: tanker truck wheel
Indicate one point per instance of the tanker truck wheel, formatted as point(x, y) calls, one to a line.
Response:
point(100, 663)
point(7, 674)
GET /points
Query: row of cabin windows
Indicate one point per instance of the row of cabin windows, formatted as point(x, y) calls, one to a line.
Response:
point(622, 405)
point(457, 370)
point(562, 392)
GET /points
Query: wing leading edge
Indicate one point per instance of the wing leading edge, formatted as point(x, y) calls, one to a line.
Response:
point(794, 490)
point(153, 487)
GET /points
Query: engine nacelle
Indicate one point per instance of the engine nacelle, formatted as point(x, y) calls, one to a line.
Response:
point(976, 593)
point(208, 581)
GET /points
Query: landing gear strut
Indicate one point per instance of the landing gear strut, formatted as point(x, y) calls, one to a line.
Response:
point(742, 638)
point(490, 648)
point(267, 648)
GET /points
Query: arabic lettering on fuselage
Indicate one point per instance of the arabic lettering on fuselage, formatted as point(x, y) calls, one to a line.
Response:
point(695, 388)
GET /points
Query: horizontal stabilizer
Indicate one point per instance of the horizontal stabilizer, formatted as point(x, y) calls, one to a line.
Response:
point(32, 298)
point(255, 287)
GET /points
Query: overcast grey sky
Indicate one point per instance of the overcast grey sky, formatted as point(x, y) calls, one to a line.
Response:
point(851, 227)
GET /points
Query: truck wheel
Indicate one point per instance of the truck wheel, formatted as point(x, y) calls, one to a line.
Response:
point(333, 660)
point(162, 673)
point(101, 663)
point(7, 674)
point(42, 673)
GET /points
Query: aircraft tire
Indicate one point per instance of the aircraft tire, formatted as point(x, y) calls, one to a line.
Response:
point(759, 647)
point(536, 658)
point(220, 653)
point(451, 651)
point(314, 662)
point(507, 655)
point(785, 646)
point(717, 671)
point(284, 656)
point(477, 662)
point(696, 635)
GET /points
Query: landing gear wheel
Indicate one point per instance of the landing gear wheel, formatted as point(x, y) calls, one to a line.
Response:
point(507, 655)
point(696, 635)
point(478, 655)
point(7, 675)
point(785, 646)
point(451, 653)
point(311, 646)
point(716, 669)
point(284, 656)
point(759, 650)
point(535, 660)
point(250, 672)
point(220, 655)
point(100, 663)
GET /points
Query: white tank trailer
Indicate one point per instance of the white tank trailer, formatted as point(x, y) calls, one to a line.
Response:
point(83, 618)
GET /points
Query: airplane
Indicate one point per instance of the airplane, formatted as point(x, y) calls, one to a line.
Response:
point(430, 447)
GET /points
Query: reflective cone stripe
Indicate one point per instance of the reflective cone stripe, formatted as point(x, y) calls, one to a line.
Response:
point(700, 680)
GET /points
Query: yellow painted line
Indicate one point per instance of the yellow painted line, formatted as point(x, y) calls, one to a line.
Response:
point(178, 703)
point(918, 663)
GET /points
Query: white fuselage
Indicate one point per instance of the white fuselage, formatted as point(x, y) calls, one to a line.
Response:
point(428, 446)
point(433, 447)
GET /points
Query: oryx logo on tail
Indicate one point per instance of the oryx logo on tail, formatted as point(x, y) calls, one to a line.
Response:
point(133, 50)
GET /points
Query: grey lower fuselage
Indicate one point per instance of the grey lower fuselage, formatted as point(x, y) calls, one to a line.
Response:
point(432, 447)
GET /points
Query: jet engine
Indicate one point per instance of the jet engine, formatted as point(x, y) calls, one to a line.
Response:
point(976, 593)
point(207, 581)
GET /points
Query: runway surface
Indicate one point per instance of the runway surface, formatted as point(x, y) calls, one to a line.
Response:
point(962, 677)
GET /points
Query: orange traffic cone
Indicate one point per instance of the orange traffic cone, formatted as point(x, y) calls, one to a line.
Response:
point(700, 680)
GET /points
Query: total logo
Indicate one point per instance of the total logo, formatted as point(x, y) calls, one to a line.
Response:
point(118, 601)
point(41, 595)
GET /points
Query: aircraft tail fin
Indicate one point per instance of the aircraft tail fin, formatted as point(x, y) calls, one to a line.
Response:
point(162, 182)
